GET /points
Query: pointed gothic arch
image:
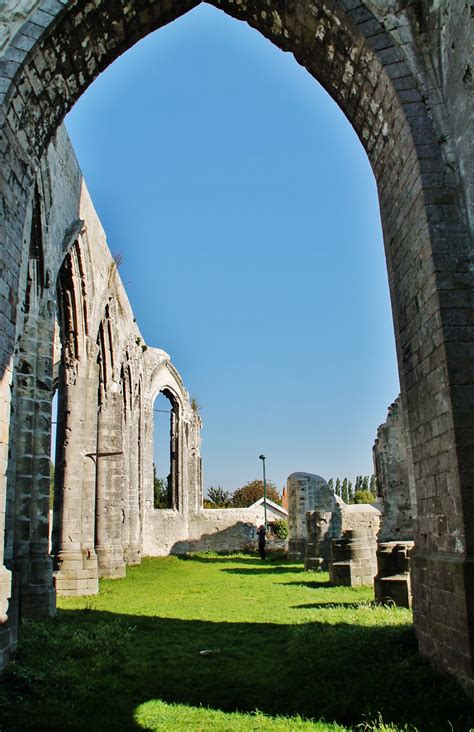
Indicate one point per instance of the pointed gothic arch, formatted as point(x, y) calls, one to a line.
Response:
point(60, 49)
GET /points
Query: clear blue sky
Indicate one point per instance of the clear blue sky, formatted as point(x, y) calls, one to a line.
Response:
point(247, 215)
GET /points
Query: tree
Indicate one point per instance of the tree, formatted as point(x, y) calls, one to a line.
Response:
point(373, 485)
point(252, 491)
point(363, 496)
point(338, 487)
point(160, 491)
point(219, 498)
point(345, 491)
point(331, 484)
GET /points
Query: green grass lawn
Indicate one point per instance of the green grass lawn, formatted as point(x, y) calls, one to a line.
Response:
point(290, 652)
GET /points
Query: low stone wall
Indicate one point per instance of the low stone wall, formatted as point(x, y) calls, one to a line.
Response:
point(163, 529)
point(224, 529)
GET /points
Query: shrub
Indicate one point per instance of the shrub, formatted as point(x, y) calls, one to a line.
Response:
point(280, 528)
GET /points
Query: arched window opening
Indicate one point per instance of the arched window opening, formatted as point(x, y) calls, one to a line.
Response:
point(165, 451)
point(102, 363)
point(124, 383)
point(139, 408)
point(35, 277)
point(53, 496)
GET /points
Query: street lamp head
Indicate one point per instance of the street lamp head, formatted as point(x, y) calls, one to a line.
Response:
point(261, 457)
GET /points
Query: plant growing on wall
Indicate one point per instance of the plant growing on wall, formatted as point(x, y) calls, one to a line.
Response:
point(195, 406)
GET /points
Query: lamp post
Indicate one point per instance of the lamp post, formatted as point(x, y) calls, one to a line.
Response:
point(262, 458)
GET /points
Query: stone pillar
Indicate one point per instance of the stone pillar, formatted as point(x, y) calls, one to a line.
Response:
point(5, 574)
point(89, 475)
point(393, 582)
point(109, 473)
point(353, 558)
point(76, 563)
point(126, 480)
point(193, 445)
point(33, 567)
point(132, 552)
point(321, 528)
point(306, 492)
point(395, 484)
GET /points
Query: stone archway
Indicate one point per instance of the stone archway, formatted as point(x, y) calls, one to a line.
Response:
point(381, 80)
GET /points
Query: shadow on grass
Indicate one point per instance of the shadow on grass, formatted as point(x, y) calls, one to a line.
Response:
point(90, 670)
point(322, 605)
point(264, 569)
point(253, 561)
point(313, 584)
point(202, 558)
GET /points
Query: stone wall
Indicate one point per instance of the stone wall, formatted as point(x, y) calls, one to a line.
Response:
point(79, 337)
point(225, 529)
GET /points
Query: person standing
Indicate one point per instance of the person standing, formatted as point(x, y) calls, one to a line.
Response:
point(261, 535)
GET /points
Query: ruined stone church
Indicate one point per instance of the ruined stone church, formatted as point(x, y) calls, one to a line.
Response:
point(402, 72)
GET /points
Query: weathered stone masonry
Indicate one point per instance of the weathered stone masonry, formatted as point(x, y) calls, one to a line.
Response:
point(393, 466)
point(403, 76)
point(81, 339)
point(79, 336)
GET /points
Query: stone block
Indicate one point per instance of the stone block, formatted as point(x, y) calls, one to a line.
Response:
point(306, 492)
point(353, 559)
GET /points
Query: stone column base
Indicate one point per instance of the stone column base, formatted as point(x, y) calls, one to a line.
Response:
point(37, 596)
point(296, 549)
point(38, 601)
point(393, 581)
point(110, 562)
point(353, 561)
point(77, 574)
point(132, 555)
point(313, 564)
